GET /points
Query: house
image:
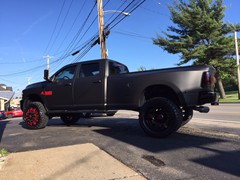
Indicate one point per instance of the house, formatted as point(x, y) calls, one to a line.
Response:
point(6, 94)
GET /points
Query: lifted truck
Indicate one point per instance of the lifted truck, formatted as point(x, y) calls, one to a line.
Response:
point(164, 98)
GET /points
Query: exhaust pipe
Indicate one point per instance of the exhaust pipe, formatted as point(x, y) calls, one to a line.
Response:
point(202, 109)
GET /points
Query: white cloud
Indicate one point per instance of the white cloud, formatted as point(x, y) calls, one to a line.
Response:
point(31, 26)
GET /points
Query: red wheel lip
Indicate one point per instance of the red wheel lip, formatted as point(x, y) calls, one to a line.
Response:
point(32, 116)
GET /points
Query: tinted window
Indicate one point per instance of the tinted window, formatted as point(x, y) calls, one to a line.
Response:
point(117, 68)
point(67, 73)
point(87, 70)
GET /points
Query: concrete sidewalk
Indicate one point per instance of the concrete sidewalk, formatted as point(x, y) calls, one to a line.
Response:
point(85, 161)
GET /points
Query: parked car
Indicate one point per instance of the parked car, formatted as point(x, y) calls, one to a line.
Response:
point(17, 112)
point(2, 115)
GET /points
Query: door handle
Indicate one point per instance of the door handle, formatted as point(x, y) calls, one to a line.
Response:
point(98, 81)
point(68, 84)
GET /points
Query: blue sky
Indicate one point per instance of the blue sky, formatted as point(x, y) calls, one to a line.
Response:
point(27, 34)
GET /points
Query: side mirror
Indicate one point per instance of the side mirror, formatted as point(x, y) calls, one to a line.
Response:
point(46, 75)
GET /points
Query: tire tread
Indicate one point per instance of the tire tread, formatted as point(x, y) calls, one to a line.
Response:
point(177, 114)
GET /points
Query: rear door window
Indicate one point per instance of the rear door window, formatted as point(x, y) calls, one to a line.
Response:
point(88, 70)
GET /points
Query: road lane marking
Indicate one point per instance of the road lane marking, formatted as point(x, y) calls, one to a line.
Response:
point(190, 129)
point(216, 120)
point(215, 123)
point(224, 112)
point(15, 134)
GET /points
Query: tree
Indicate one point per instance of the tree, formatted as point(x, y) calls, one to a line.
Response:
point(142, 68)
point(201, 37)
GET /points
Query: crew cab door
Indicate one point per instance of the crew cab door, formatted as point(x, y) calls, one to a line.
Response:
point(59, 93)
point(89, 87)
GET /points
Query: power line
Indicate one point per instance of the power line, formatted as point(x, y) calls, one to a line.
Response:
point(77, 35)
point(85, 49)
point(41, 66)
point(155, 12)
point(51, 63)
point(133, 9)
point(29, 70)
point(22, 72)
point(82, 27)
point(80, 30)
point(117, 11)
point(90, 24)
point(120, 14)
point(61, 26)
point(48, 60)
point(5, 80)
point(127, 33)
point(55, 27)
point(32, 61)
point(72, 24)
point(88, 44)
point(89, 47)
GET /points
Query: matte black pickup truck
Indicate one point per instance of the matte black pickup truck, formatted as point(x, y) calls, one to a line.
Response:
point(164, 98)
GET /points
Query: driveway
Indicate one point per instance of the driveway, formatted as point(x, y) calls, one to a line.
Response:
point(194, 152)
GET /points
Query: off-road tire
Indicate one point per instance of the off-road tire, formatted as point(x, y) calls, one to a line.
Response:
point(85, 115)
point(34, 116)
point(160, 117)
point(187, 115)
point(111, 113)
point(70, 119)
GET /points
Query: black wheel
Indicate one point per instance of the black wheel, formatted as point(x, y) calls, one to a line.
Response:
point(70, 119)
point(187, 115)
point(85, 115)
point(160, 117)
point(10, 116)
point(111, 113)
point(34, 116)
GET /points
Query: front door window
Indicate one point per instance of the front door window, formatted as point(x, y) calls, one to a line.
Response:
point(67, 73)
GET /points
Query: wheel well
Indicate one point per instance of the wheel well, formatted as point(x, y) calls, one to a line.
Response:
point(161, 91)
point(31, 98)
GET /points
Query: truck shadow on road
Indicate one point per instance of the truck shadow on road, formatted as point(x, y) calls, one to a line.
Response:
point(3, 125)
point(225, 159)
point(214, 152)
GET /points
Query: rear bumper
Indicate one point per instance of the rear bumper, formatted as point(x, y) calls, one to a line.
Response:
point(207, 97)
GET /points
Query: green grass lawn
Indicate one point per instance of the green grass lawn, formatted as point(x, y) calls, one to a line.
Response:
point(3, 152)
point(231, 96)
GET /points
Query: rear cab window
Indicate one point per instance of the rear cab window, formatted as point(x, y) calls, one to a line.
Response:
point(117, 68)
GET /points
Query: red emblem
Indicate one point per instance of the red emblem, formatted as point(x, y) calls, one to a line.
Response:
point(46, 93)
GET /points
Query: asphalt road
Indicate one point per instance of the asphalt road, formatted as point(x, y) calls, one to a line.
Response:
point(206, 148)
point(223, 118)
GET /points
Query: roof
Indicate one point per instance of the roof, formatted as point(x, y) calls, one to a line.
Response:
point(3, 87)
point(6, 95)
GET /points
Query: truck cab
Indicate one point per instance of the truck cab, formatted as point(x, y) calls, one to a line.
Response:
point(81, 85)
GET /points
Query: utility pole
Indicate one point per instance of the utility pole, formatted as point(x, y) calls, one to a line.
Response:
point(101, 30)
point(237, 59)
point(48, 61)
point(29, 80)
